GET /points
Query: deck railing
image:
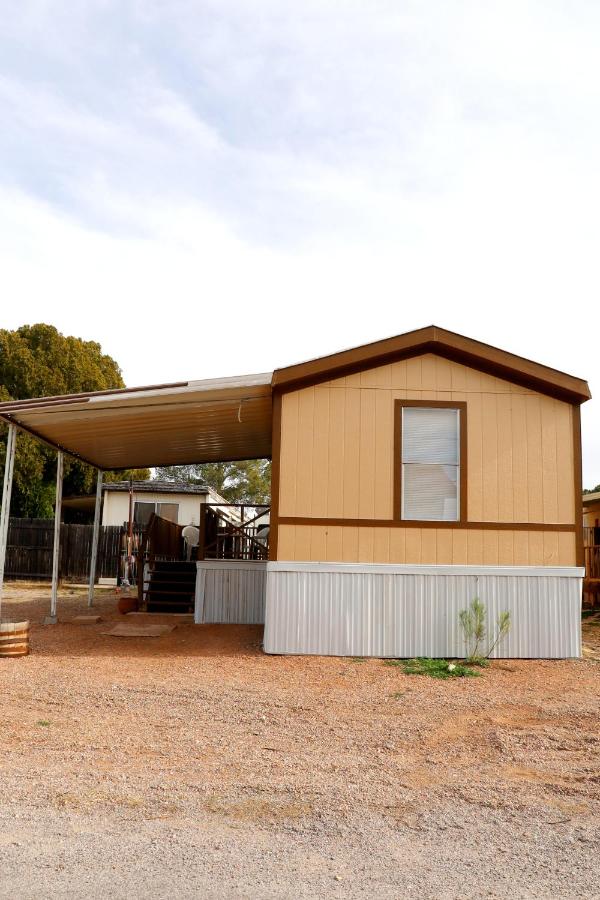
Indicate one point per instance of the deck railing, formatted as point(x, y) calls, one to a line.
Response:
point(592, 561)
point(591, 556)
point(234, 531)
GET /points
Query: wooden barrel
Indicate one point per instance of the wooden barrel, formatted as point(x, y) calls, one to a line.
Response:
point(14, 638)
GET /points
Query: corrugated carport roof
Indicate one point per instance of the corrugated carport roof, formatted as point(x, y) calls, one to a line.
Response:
point(187, 422)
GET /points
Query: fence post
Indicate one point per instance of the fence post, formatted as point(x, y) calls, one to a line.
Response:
point(52, 619)
point(95, 536)
point(9, 466)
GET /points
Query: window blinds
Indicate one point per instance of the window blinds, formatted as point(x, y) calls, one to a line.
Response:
point(430, 463)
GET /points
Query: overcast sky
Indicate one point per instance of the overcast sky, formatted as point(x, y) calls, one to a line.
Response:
point(215, 188)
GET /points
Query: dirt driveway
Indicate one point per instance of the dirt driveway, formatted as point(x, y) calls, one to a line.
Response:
point(192, 765)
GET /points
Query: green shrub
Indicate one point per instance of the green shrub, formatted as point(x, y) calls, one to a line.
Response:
point(435, 668)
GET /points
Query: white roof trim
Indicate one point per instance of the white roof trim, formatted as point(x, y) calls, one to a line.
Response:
point(234, 383)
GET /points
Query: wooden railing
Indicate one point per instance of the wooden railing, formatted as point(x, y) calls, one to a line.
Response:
point(227, 531)
point(592, 561)
point(233, 531)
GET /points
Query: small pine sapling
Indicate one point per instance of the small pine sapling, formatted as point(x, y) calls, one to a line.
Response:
point(473, 624)
point(472, 621)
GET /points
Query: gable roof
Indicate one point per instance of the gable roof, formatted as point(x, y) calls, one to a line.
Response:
point(448, 344)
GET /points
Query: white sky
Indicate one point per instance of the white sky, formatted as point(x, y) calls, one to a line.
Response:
point(215, 188)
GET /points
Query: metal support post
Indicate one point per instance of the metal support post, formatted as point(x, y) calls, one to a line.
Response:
point(95, 538)
point(52, 618)
point(9, 466)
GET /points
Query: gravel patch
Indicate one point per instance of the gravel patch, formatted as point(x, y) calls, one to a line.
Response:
point(192, 764)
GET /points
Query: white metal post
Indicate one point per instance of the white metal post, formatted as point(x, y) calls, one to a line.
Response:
point(51, 619)
point(95, 537)
point(9, 466)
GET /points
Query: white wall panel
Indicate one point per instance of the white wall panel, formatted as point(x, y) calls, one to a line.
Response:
point(395, 611)
point(230, 591)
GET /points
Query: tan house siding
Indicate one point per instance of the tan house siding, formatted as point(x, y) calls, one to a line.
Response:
point(425, 546)
point(337, 462)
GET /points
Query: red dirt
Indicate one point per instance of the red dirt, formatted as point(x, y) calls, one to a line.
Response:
point(255, 775)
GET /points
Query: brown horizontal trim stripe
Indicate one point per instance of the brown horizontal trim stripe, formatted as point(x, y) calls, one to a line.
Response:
point(407, 523)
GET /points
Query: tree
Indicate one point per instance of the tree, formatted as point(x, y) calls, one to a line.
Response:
point(238, 482)
point(38, 361)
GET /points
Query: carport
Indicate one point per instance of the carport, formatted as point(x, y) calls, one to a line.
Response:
point(213, 420)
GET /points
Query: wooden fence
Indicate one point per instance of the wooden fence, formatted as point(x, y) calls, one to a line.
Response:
point(29, 550)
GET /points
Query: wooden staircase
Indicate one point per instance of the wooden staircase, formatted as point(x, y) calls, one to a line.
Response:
point(167, 583)
point(171, 587)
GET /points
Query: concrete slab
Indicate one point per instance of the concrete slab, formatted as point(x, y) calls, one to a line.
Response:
point(131, 630)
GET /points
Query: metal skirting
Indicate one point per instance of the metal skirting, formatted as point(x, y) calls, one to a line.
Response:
point(395, 611)
point(231, 592)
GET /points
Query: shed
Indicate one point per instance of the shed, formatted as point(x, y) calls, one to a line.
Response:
point(177, 502)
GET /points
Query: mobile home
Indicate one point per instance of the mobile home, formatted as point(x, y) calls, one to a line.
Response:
point(409, 476)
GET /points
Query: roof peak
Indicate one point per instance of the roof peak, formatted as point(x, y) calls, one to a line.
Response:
point(449, 344)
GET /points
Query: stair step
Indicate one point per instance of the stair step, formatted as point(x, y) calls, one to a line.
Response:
point(174, 576)
point(171, 586)
point(180, 609)
point(159, 598)
point(170, 601)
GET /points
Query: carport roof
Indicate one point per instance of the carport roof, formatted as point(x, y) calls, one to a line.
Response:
point(160, 425)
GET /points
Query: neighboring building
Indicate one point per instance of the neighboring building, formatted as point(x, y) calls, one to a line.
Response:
point(409, 476)
point(591, 511)
point(179, 503)
point(591, 541)
point(176, 501)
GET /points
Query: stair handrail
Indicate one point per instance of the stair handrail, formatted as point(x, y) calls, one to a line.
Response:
point(161, 538)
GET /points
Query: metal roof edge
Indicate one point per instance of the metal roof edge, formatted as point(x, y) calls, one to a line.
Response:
point(262, 379)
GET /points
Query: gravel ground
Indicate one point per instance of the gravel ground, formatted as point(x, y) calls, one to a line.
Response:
point(192, 765)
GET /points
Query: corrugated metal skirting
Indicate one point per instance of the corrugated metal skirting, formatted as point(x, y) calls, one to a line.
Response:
point(362, 613)
point(230, 592)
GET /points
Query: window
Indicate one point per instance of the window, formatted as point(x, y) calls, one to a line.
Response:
point(143, 509)
point(430, 459)
point(142, 512)
point(168, 511)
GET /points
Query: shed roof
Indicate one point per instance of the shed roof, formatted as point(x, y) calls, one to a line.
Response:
point(591, 499)
point(156, 486)
point(231, 418)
